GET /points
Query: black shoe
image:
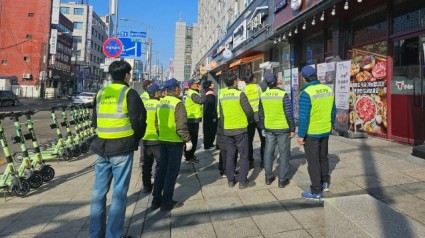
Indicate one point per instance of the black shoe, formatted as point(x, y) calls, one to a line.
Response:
point(169, 207)
point(283, 183)
point(192, 160)
point(251, 166)
point(270, 180)
point(236, 172)
point(231, 184)
point(246, 184)
point(147, 189)
point(155, 205)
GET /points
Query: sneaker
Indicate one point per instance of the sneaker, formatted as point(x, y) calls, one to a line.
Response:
point(246, 184)
point(192, 160)
point(270, 180)
point(174, 204)
point(326, 186)
point(222, 174)
point(283, 183)
point(210, 148)
point(231, 184)
point(313, 196)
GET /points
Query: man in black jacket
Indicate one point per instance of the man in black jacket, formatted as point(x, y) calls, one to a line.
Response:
point(210, 115)
point(120, 119)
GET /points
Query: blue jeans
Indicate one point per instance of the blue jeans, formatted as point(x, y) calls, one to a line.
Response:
point(283, 143)
point(167, 170)
point(119, 168)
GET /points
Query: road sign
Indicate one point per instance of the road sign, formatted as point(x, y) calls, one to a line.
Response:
point(131, 48)
point(137, 34)
point(122, 34)
point(112, 47)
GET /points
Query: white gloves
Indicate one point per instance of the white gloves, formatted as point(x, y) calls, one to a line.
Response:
point(189, 145)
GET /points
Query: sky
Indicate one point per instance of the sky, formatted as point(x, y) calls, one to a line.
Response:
point(161, 15)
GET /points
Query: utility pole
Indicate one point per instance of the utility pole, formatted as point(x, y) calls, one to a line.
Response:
point(149, 57)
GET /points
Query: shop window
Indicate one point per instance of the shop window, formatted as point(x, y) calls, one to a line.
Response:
point(369, 27)
point(408, 16)
point(312, 49)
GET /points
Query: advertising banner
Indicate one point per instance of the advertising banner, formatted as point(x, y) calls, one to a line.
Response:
point(287, 81)
point(239, 35)
point(295, 91)
point(342, 93)
point(55, 11)
point(326, 74)
point(53, 41)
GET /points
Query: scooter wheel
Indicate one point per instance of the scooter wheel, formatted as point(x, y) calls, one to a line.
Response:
point(36, 180)
point(48, 174)
point(84, 147)
point(20, 192)
point(76, 151)
point(66, 154)
point(18, 157)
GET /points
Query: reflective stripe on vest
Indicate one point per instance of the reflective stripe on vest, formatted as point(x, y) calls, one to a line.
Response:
point(145, 97)
point(150, 107)
point(253, 92)
point(193, 109)
point(112, 113)
point(322, 99)
point(167, 120)
point(274, 111)
point(234, 115)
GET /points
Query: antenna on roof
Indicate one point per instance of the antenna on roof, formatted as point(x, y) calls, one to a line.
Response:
point(180, 16)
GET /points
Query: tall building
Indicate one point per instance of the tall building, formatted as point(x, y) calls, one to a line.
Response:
point(183, 50)
point(90, 31)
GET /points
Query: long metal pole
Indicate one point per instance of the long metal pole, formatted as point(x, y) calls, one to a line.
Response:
point(116, 18)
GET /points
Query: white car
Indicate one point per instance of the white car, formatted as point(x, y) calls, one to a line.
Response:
point(84, 97)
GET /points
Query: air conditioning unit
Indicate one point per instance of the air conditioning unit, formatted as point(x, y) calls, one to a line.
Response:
point(26, 76)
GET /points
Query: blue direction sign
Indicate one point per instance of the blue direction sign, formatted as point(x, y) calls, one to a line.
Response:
point(122, 34)
point(112, 47)
point(131, 48)
point(137, 34)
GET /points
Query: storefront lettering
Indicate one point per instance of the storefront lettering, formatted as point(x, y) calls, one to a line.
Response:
point(255, 22)
point(402, 85)
point(279, 6)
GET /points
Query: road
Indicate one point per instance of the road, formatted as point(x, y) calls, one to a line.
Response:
point(42, 120)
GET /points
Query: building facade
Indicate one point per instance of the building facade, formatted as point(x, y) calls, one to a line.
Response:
point(184, 50)
point(90, 31)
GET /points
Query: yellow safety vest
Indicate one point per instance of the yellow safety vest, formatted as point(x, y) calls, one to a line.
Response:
point(112, 113)
point(274, 112)
point(253, 92)
point(234, 115)
point(144, 96)
point(322, 99)
point(193, 109)
point(150, 107)
point(167, 120)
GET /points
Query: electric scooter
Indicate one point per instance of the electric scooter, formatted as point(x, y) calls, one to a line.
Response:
point(76, 140)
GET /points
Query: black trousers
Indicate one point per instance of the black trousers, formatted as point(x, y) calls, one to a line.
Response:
point(209, 127)
point(235, 144)
point(193, 131)
point(222, 158)
point(316, 151)
point(151, 153)
point(251, 133)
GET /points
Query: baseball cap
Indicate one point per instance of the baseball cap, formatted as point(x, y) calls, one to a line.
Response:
point(308, 71)
point(192, 82)
point(172, 83)
point(152, 89)
point(270, 78)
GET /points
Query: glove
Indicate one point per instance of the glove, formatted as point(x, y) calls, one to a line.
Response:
point(263, 133)
point(189, 145)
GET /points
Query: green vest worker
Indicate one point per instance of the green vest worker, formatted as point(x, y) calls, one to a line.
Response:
point(275, 115)
point(195, 98)
point(317, 115)
point(120, 119)
point(151, 150)
point(173, 133)
point(236, 113)
point(253, 92)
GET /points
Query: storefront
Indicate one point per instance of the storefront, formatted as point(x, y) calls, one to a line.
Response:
point(384, 39)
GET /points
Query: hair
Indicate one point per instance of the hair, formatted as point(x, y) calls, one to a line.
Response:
point(248, 77)
point(206, 84)
point(119, 69)
point(230, 79)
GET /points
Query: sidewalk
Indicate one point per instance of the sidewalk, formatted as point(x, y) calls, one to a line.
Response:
point(383, 169)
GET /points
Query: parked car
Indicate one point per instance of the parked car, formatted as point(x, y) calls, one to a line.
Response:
point(7, 97)
point(84, 97)
point(72, 96)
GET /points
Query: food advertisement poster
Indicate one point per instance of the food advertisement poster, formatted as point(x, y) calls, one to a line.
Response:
point(342, 93)
point(295, 91)
point(287, 80)
point(326, 73)
point(368, 96)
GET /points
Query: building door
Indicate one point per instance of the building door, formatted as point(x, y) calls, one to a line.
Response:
point(408, 90)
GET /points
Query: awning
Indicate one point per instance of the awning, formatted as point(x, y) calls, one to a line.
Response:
point(246, 59)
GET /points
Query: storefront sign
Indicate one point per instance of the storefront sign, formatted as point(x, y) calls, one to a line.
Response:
point(239, 34)
point(258, 16)
point(295, 92)
point(55, 11)
point(287, 81)
point(53, 41)
point(403, 86)
point(296, 4)
point(279, 6)
point(227, 54)
point(342, 94)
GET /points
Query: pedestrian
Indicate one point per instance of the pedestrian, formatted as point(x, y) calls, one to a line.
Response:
point(209, 124)
point(316, 117)
point(276, 119)
point(150, 139)
point(236, 113)
point(163, 91)
point(253, 92)
point(145, 97)
point(119, 117)
point(173, 133)
point(194, 100)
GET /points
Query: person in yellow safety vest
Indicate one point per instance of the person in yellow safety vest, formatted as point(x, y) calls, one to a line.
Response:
point(173, 134)
point(120, 121)
point(316, 119)
point(144, 96)
point(150, 139)
point(253, 92)
point(277, 122)
point(236, 113)
point(194, 99)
